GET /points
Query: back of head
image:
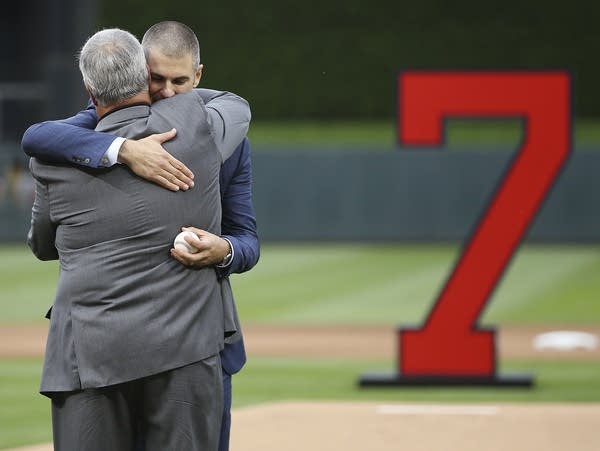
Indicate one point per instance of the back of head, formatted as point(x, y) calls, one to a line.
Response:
point(172, 39)
point(113, 66)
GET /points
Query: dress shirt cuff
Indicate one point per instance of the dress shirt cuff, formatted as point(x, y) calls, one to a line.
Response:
point(232, 255)
point(110, 158)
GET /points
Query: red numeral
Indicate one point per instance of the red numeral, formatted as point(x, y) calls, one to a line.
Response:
point(450, 343)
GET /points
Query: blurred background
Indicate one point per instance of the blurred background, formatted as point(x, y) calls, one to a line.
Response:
point(321, 79)
point(355, 231)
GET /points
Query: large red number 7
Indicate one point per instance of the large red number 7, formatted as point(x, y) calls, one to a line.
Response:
point(450, 345)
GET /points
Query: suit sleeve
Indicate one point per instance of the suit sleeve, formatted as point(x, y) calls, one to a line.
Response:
point(42, 232)
point(71, 140)
point(238, 221)
point(229, 117)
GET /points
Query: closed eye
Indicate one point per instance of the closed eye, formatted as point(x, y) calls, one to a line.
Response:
point(181, 81)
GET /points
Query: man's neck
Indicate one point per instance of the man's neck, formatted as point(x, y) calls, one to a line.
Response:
point(142, 97)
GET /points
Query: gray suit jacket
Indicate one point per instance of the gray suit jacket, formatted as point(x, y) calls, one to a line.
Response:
point(124, 308)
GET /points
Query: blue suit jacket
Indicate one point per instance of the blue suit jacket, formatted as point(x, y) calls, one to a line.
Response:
point(73, 140)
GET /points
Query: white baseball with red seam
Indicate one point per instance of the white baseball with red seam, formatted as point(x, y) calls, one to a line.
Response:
point(181, 244)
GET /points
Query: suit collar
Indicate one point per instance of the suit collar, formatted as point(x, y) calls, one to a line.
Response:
point(121, 115)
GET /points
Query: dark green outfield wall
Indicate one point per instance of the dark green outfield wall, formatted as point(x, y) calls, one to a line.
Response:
point(409, 195)
point(381, 195)
point(316, 59)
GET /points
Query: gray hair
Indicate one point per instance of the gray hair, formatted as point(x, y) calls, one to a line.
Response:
point(113, 66)
point(173, 39)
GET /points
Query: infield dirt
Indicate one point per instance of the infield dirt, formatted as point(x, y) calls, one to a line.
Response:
point(377, 426)
point(364, 342)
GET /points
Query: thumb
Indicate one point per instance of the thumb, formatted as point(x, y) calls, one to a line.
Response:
point(195, 230)
point(166, 136)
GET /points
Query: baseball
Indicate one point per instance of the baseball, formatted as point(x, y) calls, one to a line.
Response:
point(181, 244)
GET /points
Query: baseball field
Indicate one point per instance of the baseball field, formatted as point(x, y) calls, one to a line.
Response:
point(317, 316)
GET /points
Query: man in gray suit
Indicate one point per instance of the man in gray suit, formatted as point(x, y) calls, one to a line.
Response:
point(134, 335)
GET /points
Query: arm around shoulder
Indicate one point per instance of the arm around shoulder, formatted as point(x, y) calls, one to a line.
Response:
point(229, 117)
point(72, 140)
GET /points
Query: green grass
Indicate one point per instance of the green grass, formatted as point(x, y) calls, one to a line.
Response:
point(276, 379)
point(382, 133)
point(359, 284)
point(391, 284)
point(549, 285)
point(384, 284)
point(24, 414)
point(28, 285)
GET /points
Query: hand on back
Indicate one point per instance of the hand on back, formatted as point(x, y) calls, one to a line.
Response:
point(148, 159)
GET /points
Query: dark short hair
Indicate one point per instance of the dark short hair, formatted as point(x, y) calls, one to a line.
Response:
point(173, 39)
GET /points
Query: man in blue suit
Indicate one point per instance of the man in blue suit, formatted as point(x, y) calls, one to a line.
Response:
point(172, 52)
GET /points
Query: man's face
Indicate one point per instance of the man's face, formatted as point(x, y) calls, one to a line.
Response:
point(170, 76)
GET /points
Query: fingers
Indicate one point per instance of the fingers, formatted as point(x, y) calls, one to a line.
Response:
point(148, 159)
point(168, 175)
point(166, 183)
point(177, 177)
point(182, 257)
point(204, 242)
point(182, 172)
point(173, 171)
point(194, 241)
point(195, 230)
point(172, 181)
point(164, 137)
point(199, 242)
point(197, 260)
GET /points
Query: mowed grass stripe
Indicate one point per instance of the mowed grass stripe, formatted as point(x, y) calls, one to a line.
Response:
point(27, 285)
point(399, 283)
point(549, 284)
point(358, 284)
point(343, 284)
point(272, 379)
point(24, 413)
point(388, 298)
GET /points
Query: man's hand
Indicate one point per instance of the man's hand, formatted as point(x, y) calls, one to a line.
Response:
point(148, 159)
point(212, 249)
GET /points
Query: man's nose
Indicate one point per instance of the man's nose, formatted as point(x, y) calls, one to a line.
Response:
point(167, 92)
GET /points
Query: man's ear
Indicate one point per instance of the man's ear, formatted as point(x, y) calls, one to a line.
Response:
point(149, 75)
point(198, 75)
point(94, 101)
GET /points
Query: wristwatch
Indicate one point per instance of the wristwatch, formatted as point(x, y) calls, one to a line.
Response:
point(227, 258)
